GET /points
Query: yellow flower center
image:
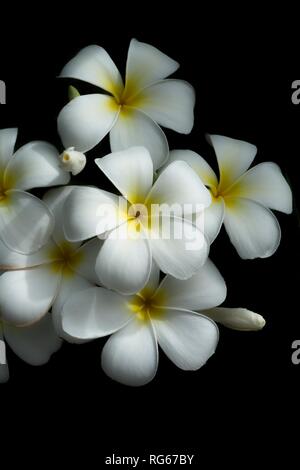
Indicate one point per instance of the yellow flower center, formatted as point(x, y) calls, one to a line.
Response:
point(147, 305)
point(127, 98)
point(7, 182)
point(65, 259)
point(222, 192)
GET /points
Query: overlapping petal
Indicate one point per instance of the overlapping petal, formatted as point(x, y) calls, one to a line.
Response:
point(179, 188)
point(181, 249)
point(206, 289)
point(89, 212)
point(35, 165)
point(13, 260)
point(266, 185)
point(69, 286)
point(130, 356)
point(153, 281)
point(27, 295)
point(135, 128)
point(146, 65)
point(94, 65)
point(213, 217)
point(8, 139)
point(55, 200)
point(170, 103)
point(199, 165)
point(86, 120)
point(87, 256)
point(131, 171)
point(34, 344)
point(187, 338)
point(94, 312)
point(252, 229)
point(124, 261)
point(234, 158)
point(25, 222)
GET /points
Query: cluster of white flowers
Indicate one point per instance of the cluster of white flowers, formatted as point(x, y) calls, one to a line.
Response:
point(83, 263)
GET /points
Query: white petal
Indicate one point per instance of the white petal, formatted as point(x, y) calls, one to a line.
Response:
point(94, 312)
point(180, 189)
point(8, 139)
point(89, 212)
point(234, 158)
point(199, 165)
point(146, 65)
point(88, 255)
point(131, 171)
point(206, 289)
point(153, 281)
point(253, 229)
point(170, 103)
point(135, 128)
point(25, 222)
point(34, 344)
point(27, 295)
point(55, 200)
point(188, 339)
point(36, 165)
point(239, 319)
point(93, 65)
point(4, 372)
point(265, 184)
point(213, 218)
point(86, 120)
point(178, 247)
point(130, 356)
point(124, 262)
point(12, 260)
point(69, 286)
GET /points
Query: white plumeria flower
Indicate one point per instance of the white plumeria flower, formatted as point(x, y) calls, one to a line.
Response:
point(72, 161)
point(25, 221)
point(133, 237)
point(242, 198)
point(37, 282)
point(161, 315)
point(34, 344)
point(240, 319)
point(131, 112)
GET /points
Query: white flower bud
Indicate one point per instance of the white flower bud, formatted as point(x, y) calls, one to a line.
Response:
point(73, 161)
point(239, 319)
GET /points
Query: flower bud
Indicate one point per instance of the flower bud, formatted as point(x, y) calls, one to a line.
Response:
point(239, 319)
point(73, 161)
point(73, 93)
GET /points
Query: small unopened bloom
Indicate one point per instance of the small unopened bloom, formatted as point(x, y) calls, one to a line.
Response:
point(72, 161)
point(239, 319)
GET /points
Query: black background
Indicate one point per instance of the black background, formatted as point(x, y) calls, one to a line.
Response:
point(246, 398)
